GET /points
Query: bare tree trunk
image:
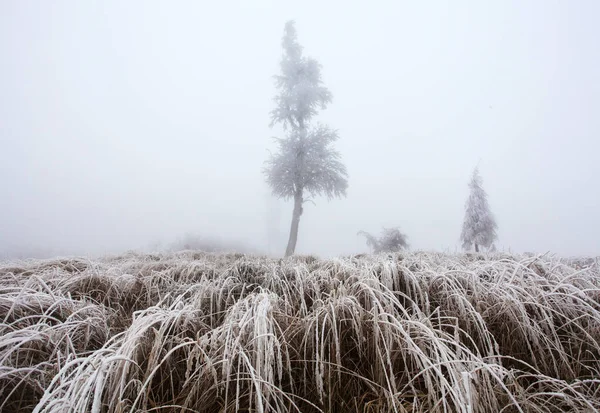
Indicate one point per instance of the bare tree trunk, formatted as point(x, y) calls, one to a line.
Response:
point(298, 200)
point(476, 248)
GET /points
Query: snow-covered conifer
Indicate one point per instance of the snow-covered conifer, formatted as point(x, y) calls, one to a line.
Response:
point(479, 226)
point(305, 163)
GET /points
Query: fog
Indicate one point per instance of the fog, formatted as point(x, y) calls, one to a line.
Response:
point(126, 124)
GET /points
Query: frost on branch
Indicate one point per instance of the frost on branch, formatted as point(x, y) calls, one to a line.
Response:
point(306, 160)
point(301, 91)
point(479, 227)
point(391, 240)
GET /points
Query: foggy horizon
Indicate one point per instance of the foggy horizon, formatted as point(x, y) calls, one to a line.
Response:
point(124, 125)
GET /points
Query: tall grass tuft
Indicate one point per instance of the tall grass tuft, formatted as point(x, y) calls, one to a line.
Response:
point(200, 332)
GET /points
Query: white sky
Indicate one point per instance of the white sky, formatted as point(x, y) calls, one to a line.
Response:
point(127, 123)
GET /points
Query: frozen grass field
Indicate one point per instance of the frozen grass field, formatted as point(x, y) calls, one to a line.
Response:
point(196, 332)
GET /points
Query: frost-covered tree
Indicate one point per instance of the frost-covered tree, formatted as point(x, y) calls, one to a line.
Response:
point(305, 164)
point(479, 227)
point(391, 240)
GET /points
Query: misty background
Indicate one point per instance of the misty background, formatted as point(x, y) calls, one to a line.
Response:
point(128, 124)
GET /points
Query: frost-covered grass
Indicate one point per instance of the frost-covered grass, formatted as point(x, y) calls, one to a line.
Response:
point(413, 332)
